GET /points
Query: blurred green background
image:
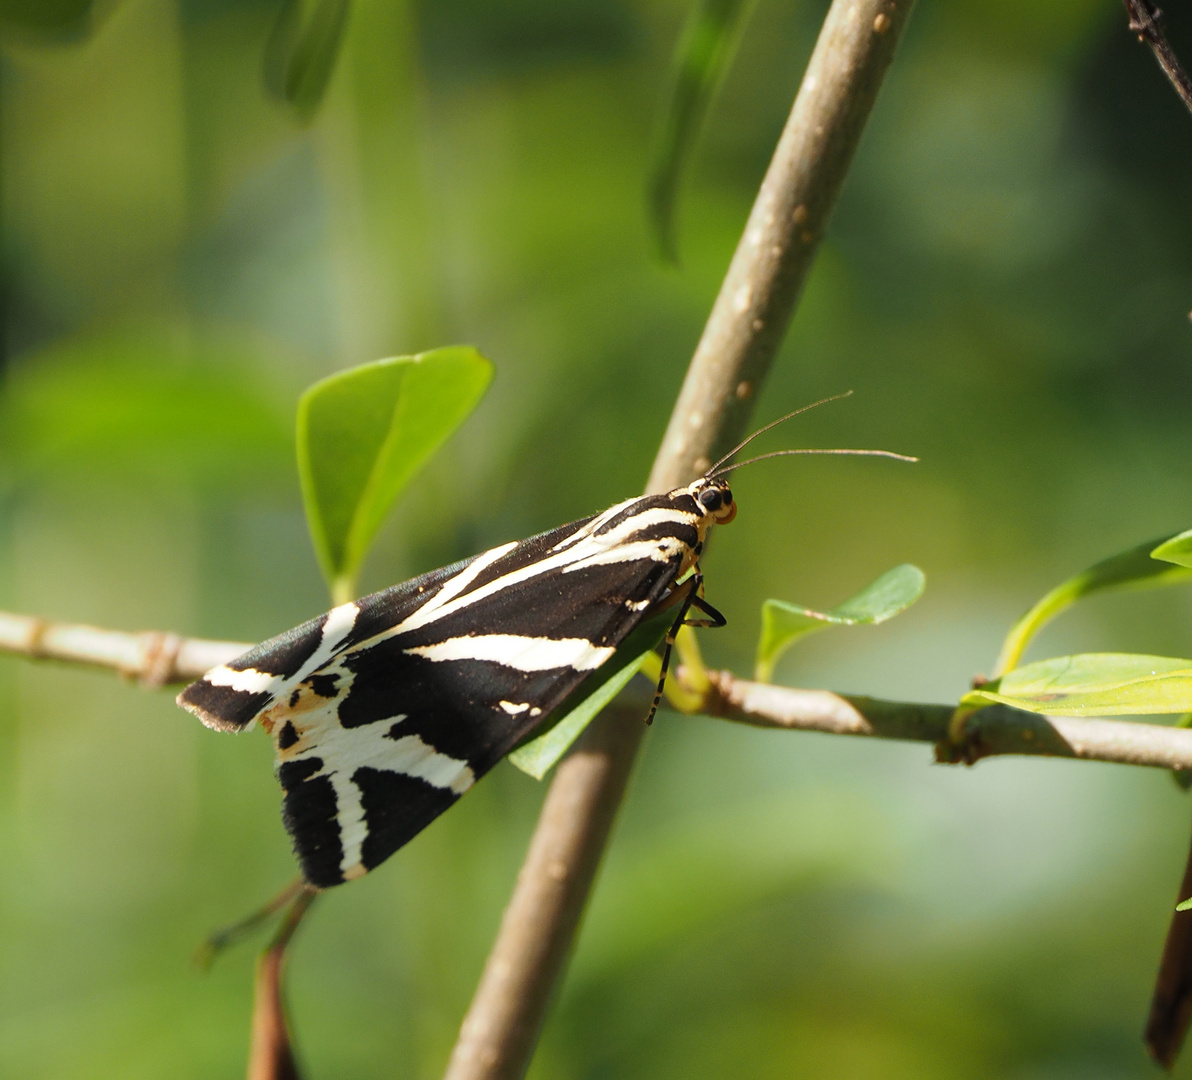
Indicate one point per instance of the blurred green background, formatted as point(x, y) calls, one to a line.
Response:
point(1005, 285)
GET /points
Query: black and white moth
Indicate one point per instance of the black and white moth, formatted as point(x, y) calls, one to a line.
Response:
point(384, 711)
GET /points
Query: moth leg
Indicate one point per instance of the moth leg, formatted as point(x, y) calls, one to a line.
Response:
point(714, 619)
point(669, 643)
point(693, 588)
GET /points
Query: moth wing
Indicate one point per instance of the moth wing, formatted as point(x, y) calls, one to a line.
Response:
point(232, 696)
point(384, 711)
point(395, 728)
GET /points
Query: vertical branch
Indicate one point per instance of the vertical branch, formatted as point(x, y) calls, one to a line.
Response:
point(1171, 1006)
point(742, 335)
point(1146, 20)
point(781, 238)
point(498, 1035)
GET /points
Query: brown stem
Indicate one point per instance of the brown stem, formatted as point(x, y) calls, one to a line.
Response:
point(151, 657)
point(781, 237)
point(990, 732)
point(271, 1053)
point(1171, 1006)
point(498, 1035)
point(742, 335)
point(1146, 20)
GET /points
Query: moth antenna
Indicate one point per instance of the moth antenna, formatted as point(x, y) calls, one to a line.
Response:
point(785, 453)
point(773, 423)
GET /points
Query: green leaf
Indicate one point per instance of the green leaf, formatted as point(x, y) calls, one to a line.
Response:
point(363, 433)
point(1177, 550)
point(1106, 684)
point(1137, 568)
point(301, 53)
point(568, 721)
point(539, 756)
point(783, 623)
point(704, 49)
point(1184, 905)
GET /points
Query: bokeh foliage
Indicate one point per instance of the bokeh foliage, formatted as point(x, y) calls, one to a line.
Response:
point(1005, 286)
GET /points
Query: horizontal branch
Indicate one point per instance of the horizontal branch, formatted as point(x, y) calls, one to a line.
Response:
point(998, 729)
point(151, 657)
point(157, 659)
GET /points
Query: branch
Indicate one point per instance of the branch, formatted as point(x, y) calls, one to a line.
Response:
point(1146, 20)
point(271, 1050)
point(157, 659)
point(990, 732)
point(1171, 1004)
point(502, 1025)
point(739, 342)
point(781, 237)
point(151, 657)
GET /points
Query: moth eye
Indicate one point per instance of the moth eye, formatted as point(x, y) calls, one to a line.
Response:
point(711, 499)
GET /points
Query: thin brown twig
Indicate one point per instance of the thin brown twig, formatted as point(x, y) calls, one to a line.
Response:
point(990, 732)
point(271, 1053)
point(151, 657)
point(993, 731)
point(738, 345)
point(1171, 1003)
point(1146, 20)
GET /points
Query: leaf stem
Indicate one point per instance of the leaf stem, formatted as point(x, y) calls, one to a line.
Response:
point(343, 589)
point(271, 1054)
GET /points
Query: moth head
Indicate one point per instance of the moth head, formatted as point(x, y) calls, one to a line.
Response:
point(714, 498)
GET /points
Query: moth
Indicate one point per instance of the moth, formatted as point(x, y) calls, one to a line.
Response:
point(384, 711)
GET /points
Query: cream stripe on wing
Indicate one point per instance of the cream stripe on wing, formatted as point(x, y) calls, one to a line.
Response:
point(590, 549)
point(518, 652)
point(248, 681)
point(656, 550)
point(344, 750)
point(454, 586)
point(407, 756)
point(336, 627)
point(596, 522)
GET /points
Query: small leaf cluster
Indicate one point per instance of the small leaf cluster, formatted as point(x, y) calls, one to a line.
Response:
point(1108, 684)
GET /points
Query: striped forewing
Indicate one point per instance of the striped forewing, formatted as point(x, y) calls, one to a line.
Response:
point(385, 711)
